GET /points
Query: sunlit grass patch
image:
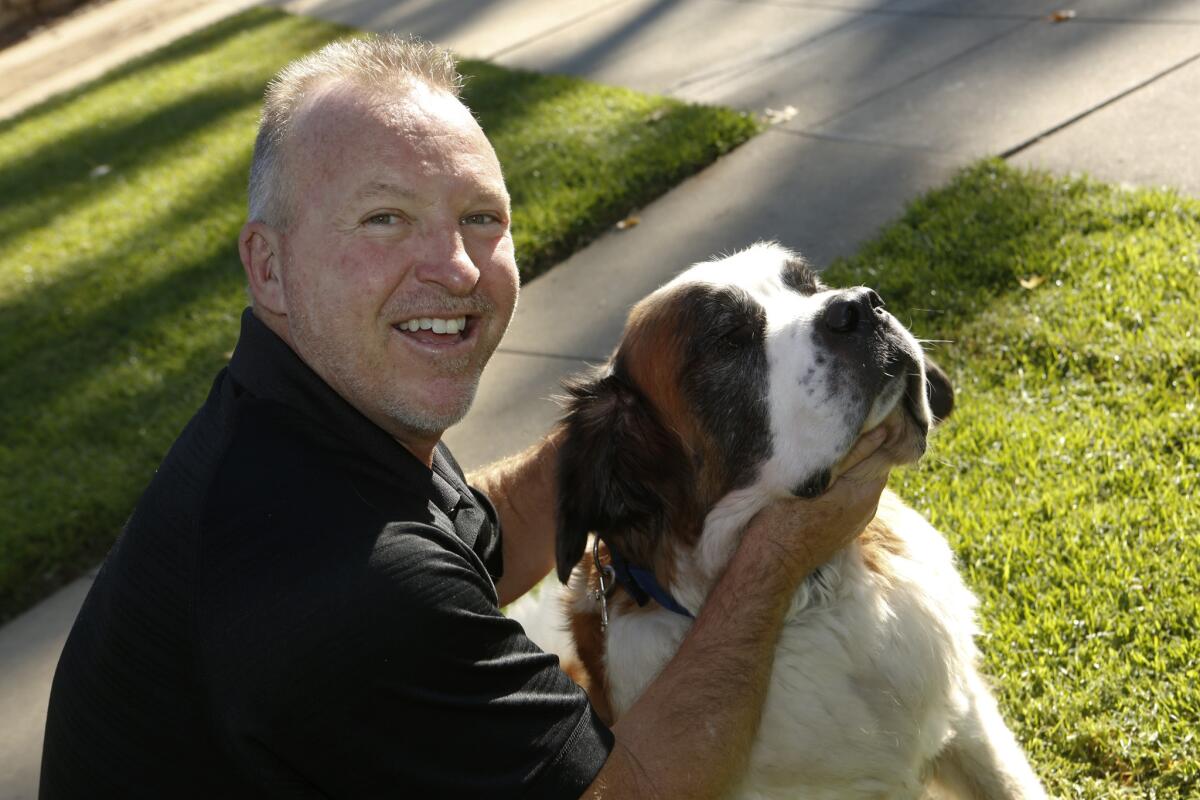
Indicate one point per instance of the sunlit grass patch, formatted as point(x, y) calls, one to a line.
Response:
point(1068, 478)
point(120, 285)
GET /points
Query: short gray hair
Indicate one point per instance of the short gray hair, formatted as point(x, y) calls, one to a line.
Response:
point(378, 63)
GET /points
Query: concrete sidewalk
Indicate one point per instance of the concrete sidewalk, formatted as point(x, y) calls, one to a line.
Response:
point(890, 97)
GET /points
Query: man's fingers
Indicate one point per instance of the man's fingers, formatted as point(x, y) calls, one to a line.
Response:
point(865, 447)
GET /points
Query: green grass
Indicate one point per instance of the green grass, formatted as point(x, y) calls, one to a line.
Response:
point(1068, 478)
point(120, 285)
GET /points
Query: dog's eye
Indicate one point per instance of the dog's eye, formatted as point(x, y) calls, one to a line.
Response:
point(740, 335)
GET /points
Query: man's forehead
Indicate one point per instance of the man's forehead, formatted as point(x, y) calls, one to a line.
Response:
point(393, 131)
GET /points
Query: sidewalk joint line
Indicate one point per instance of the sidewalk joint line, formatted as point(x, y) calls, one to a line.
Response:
point(1030, 142)
point(892, 12)
point(970, 51)
point(721, 74)
point(838, 138)
point(562, 26)
point(935, 14)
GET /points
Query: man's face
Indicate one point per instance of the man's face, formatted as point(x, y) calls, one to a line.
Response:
point(400, 220)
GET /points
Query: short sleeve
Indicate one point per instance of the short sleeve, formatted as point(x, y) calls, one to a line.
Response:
point(414, 685)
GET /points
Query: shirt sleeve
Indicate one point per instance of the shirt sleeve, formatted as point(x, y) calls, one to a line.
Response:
point(396, 675)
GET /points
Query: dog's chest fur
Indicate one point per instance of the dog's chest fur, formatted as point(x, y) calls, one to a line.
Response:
point(864, 690)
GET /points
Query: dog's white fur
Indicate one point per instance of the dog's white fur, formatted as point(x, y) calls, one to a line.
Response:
point(875, 691)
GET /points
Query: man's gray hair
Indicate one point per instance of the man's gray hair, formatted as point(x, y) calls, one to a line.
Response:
point(377, 63)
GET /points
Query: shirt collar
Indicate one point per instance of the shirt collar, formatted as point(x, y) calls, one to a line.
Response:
point(268, 368)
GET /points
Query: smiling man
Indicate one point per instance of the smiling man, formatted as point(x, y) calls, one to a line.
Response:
point(305, 602)
point(399, 268)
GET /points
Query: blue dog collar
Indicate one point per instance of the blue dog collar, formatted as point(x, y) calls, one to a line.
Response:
point(642, 585)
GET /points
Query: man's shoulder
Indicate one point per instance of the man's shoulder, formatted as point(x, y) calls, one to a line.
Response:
point(340, 595)
point(272, 456)
point(289, 515)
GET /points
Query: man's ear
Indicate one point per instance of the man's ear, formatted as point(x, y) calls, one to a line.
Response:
point(938, 390)
point(611, 465)
point(260, 247)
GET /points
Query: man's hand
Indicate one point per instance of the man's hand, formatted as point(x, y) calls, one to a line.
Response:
point(721, 672)
point(807, 532)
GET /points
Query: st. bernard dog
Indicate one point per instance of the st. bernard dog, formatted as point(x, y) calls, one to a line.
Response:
point(743, 380)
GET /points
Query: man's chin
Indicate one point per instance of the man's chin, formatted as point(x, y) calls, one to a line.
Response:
point(432, 416)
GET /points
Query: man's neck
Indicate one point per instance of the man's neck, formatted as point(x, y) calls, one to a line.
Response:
point(422, 452)
point(420, 444)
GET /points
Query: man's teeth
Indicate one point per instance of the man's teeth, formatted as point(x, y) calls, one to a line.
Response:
point(447, 326)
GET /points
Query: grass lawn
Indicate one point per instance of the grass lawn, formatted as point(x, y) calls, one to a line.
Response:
point(1068, 479)
point(120, 285)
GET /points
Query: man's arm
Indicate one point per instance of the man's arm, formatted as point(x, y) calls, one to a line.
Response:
point(690, 733)
point(722, 670)
point(524, 490)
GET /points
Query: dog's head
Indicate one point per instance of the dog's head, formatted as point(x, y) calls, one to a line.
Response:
point(743, 373)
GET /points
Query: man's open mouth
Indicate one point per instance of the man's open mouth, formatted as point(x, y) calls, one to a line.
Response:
point(436, 330)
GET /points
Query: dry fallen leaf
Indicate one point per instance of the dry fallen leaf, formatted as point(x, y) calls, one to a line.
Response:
point(774, 116)
point(1032, 282)
point(1063, 15)
point(628, 222)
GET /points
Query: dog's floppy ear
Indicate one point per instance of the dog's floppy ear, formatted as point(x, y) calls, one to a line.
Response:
point(611, 465)
point(938, 390)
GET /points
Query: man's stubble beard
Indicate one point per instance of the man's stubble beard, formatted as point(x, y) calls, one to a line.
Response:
point(348, 377)
point(431, 421)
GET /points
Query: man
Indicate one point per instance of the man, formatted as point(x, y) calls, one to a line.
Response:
point(305, 602)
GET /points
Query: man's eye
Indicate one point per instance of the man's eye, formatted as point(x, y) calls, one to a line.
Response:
point(481, 219)
point(383, 218)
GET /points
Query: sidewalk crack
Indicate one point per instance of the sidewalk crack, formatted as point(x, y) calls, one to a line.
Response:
point(600, 9)
point(1031, 141)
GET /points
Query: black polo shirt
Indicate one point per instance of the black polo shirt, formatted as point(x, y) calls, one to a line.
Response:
point(298, 607)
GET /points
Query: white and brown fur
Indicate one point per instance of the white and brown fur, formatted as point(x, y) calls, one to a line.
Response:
point(744, 380)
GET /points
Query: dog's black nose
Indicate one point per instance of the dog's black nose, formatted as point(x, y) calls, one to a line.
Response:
point(852, 309)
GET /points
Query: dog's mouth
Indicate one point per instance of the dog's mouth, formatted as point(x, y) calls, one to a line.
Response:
point(904, 415)
point(913, 410)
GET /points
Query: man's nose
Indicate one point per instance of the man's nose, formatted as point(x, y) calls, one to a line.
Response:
point(447, 263)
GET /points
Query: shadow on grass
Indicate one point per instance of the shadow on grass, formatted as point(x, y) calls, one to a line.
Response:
point(86, 522)
point(190, 46)
point(50, 350)
point(55, 180)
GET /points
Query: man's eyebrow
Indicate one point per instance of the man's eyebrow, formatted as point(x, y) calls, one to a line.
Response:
point(387, 189)
point(384, 189)
point(494, 196)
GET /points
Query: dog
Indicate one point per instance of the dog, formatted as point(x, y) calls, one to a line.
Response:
point(743, 380)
